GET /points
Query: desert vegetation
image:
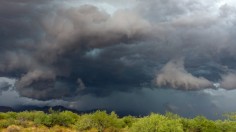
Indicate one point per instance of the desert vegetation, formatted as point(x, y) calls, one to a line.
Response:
point(102, 121)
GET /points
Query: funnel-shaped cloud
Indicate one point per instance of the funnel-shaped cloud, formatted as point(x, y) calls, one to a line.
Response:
point(174, 75)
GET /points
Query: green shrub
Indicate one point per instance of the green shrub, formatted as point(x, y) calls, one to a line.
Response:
point(99, 120)
point(11, 115)
point(110, 122)
point(128, 121)
point(170, 115)
point(84, 122)
point(200, 124)
point(28, 115)
point(3, 116)
point(226, 126)
point(42, 119)
point(157, 123)
point(65, 118)
point(231, 116)
point(6, 123)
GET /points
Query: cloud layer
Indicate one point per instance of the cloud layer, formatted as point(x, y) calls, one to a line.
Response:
point(64, 49)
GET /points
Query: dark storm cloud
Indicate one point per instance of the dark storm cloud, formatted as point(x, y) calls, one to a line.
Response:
point(79, 29)
point(76, 31)
point(192, 25)
point(58, 50)
point(46, 49)
point(20, 33)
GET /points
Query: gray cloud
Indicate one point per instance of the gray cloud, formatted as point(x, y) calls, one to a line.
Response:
point(42, 85)
point(174, 75)
point(57, 42)
point(77, 30)
point(63, 49)
point(4, 86)
point(35, 76)
point(90, 54)
point(228, 81)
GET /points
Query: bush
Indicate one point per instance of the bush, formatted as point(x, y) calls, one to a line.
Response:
point(11, 115)
point(157, 123)
point(99, 120)
point(170, 115)
point(13, 128)
point(231, 116)
point(7, 122)
point(128, 121)
point(3, 116)
point(28, 115)
point(200, 124)
point(67, 118)
point(109, 122)
point(42, 119)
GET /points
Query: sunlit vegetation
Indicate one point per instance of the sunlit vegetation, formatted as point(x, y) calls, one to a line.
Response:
point(101, 121)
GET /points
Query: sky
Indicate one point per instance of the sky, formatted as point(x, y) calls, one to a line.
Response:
point(128, 55)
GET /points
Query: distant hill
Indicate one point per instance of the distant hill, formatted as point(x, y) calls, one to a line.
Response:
point(36, 108)
point(60, 108)
point(5, 109)
point(43, 108)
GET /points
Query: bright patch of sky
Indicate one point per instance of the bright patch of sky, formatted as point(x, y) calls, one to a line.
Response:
point(11, 97)
point(93, 53)
point(108, 6)
point(7, 80)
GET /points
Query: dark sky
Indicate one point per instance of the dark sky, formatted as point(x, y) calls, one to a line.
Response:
point(140, 56)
